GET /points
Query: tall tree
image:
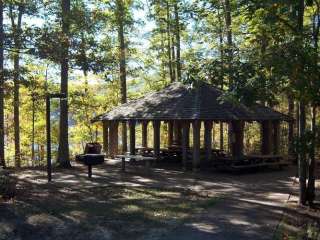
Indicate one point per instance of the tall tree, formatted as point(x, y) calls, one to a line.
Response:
point(312, 162)
point(220, 30)
point(302, 110)
point(63, 151)
point(2, 153)
point(120, 16)
point(228, 20)
point(169, 43)
point(177, 38)
point(16, 25)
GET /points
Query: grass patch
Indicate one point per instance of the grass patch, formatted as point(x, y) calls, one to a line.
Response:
point(125, 212)
point(297, 227)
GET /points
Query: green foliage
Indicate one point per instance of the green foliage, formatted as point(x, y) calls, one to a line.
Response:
point(265, 66)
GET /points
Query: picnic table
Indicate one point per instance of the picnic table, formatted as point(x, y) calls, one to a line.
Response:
point(218, 152)
point(265, 158)
point(146, 159)
point(250, 161)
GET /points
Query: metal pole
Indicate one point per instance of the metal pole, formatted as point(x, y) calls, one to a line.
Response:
point(33, 118)
point(49, 169)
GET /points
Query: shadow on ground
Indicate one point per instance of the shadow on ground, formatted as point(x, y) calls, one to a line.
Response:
point(160, 204)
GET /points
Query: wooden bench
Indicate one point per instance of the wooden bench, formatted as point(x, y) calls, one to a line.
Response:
point(123, 158)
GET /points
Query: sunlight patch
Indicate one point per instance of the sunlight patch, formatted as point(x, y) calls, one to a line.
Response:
point(44, 219)
point(204, 227)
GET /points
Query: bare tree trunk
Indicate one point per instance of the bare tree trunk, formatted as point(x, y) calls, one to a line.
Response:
point(302, 115)
point(2, 133)
point(177, 33)
point(173, 59)
point(33, 130)
point(163, 73)
point(63, 151)
point(291, 125)
point(228, 21)
point(169, 43)
point(302, 155)
point(16, 79)
point(222, 71)
point(229, 42)
point(16, 110)
point(312, 163)
point(122, 58)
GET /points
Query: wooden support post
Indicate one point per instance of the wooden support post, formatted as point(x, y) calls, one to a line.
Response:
point(123, 164)
point(208, 139)
point(144, 125)
point(221, 136)
point(177, 133)
point(266, 137)
point(124, 137)
point(156, 138)
point(185, 142)
point(132, 130)
point(276, 137)
point(105, 137)
point(113, 138)
point(170, 133)
point(89, 171)
point(213, 135)
point(196, 144)
point(116, 138)
point(236, 140)
point(188, 134)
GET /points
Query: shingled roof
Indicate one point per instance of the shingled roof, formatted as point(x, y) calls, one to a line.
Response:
point(186, 102)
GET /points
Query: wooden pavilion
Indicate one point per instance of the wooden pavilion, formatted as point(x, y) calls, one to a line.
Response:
point(184, 106)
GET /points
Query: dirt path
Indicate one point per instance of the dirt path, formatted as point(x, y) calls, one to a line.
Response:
point(162, 204)
point(251, 209)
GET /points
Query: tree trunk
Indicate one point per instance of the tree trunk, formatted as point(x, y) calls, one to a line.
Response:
point(222, 72)
point(63, 151)
point(33, 130)
point(177, 33)
point(302, 155)
point(229, 42)
point(312, 162)
point(230, 56)
point(16, 79)
point(163, 72)
point(2, 134)
point(122, 70)
point(291, 125)
point(302, 113)
point(173, 60)
point(169, 43)
point(16, 110)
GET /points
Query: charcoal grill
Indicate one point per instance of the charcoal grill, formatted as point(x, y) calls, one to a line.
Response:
point(91, 157)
